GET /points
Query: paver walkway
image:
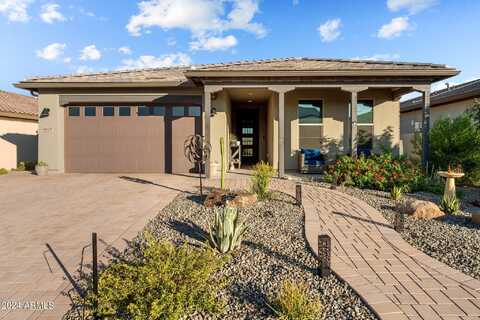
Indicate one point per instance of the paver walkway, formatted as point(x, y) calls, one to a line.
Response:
point(396, 280)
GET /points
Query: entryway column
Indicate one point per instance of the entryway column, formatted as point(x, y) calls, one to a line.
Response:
point(281, 90)
point(354, 90)
point(425, 91)
point(207, 111)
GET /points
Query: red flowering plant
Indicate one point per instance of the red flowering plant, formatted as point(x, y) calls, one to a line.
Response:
point(379, 172)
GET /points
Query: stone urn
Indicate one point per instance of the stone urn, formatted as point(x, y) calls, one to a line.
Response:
point(41, 169)
point(450, 182)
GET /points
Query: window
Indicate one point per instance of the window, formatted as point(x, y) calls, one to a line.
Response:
point(151, 111)
point(365, 112)
point(158, 111)
point(310, 117)
point(108, 111)
point(247, 141)
point(90, 111)
point(143, 111)
point(74, 111)
point(124, 111)
point(310, 112)
point(178, 111)
point(364, 127)
point(247, 130)
point(194, 111)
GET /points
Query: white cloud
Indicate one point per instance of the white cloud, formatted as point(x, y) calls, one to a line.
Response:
point(50, 13)
point(394, 28)
point(171, 42)
point(52, 51)
point(380, 57)
point(84, 69)
point(214, 43)
point(15, 10)
point(413, 6)
point(90, 53)
point(203, 18)
point(67, 60)
point(125, 50)
point(330, 30)
point(167, 60)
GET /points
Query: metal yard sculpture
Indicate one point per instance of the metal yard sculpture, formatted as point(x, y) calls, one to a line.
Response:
point(197, 151)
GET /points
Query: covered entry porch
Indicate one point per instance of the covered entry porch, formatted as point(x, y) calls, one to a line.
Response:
point(284, 119)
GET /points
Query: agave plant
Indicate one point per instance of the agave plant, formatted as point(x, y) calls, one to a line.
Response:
point(450, 205)
point(227, 230)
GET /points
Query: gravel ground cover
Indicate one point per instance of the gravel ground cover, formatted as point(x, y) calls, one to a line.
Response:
point(273, 250)
point(453, 240)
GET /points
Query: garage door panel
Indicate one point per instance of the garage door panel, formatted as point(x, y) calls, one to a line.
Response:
point(127, 144)
point(114, 144)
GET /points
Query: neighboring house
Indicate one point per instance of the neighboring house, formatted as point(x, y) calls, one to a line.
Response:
point(446, 103)
point(18, 129)
point(137, 121)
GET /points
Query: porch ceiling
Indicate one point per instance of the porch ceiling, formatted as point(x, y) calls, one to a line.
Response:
point(254, 95)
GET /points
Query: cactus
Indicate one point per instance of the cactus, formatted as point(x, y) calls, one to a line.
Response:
point(222, 164)
point(227, 230)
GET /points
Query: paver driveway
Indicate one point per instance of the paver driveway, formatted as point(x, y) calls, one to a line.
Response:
point(63, 210)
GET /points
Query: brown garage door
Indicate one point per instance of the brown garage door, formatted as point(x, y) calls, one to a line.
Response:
point(127, 139)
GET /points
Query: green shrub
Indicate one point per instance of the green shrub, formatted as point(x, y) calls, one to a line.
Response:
point(42, 164)
point(292, 303)
point(3, 171)
point(456, 142)
point(379, 172)
point(397, 192)
point(261, 180)
point(25, 166)
point(450, 205)
point(163, 282)
point(226, 230)
point(429, 183)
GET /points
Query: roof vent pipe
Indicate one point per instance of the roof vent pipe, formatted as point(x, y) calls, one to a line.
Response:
point(448, 85)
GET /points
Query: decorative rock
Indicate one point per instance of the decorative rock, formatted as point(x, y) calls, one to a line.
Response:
point(216, 197)
point(419, 209)
point(239, 199)
point(476, 216)
point(243, 199)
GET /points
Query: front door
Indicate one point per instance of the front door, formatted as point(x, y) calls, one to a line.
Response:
point(248, 133)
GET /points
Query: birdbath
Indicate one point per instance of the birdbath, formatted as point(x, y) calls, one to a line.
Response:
point(450, 182)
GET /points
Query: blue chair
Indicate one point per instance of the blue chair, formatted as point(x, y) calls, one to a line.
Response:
point(311, 160)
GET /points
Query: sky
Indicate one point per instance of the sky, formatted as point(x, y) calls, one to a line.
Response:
point(55, 37)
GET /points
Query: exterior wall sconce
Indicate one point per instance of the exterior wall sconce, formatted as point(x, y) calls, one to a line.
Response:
point(45, 113)
point(213, 112)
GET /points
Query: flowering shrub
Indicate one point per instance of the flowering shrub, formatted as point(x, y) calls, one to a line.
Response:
point(379, 172)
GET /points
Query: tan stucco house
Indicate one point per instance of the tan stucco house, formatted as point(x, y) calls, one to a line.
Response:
point(137, 121)
point(18, 129)
point(446, 103)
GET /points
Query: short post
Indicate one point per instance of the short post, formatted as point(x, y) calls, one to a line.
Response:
point(95, 274)
point(399, 222)
point(298, 194)
point(324, 254)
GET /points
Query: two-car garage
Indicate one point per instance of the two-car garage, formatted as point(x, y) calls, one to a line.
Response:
point(129, 139)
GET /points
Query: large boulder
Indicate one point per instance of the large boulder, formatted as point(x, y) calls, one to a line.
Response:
point(243, 199)
point(419, 209)
point(239, 199)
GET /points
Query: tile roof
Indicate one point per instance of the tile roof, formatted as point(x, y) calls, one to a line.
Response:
point(462, 91)
point(312, 64)
point(18, 104)
point(177, 74)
